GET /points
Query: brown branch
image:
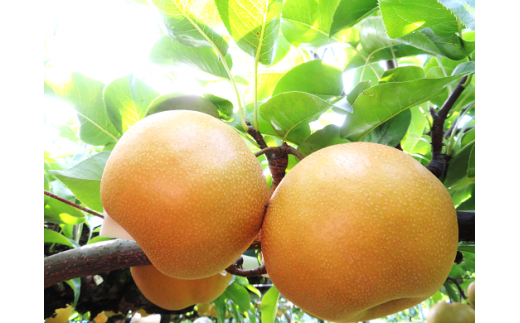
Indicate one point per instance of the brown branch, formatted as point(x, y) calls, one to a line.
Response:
point(257, 136)
point(294, 152)
point(276, 156)
point(267, 150)
point(97, 258)
point(235, 270)
point(72, 204)
point(438, 164)
point(93, 259)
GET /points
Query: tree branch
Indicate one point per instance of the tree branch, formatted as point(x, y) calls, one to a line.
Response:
point(72, 204)
point(257, 136)
point(438, 164)
point(97, 258)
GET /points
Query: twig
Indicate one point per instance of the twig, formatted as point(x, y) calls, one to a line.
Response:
point(276, 156)
point(292, 151)
point(233, 269)
point(267, 150)
point(438, 164)
point(72, 204)
point(257, 136)
point(288, 149)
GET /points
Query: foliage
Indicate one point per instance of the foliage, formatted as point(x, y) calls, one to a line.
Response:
point(309, 72)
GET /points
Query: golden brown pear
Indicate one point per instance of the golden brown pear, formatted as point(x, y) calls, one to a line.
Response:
point(451, 313)
point(471, 294)
point(358, 231)
point(189, 191)
point(176, 294)
point(62, 315)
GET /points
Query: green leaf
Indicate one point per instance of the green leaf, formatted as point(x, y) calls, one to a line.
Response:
point(464, 69)
point(381, 102)
point(178, 101)
point(169, 53)
point(75, 284)
point(357, 90)
point(236, 315)
point(384, 54)
point(253, 289)
point(373, 37)
point(415, 130)
point(392, 131)
point(308, 22)
point(58, 212)
point(220, 307)
point(67, 132)
point(468, 204)
point(312, 77)
point(127, 100)
point(467, 248)
point(468, 137)
point(452, 291)
point(290, 110)
point(451, 46)
point(86, 96)
point(350, 12)
point(283, 47)
point(402, 74)
point(254, 26)
point(403, 17)
point(270, 305)
point(368, 74)
point(449, 65)
point(98, 239)
point(296, 136)
point(458, 166)
point(84, 179)
point(58, 188)
point(192, 22)
point(239, 79)
point(268, 76)
point(241, 280)
point(471, 163)
point(464, 10)
point(46, 186)
point(252, 311)
point(50, 236)
point(342, 106)
point(345, 105)
point(433, 70)
point(224, 107)
point(322, 138)
point(239, 295)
